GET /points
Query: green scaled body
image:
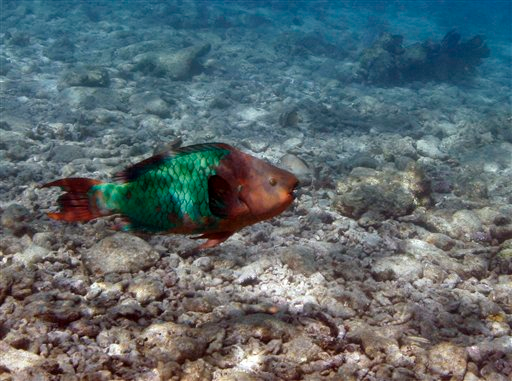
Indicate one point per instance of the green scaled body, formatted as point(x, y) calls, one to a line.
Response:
point(167, 192)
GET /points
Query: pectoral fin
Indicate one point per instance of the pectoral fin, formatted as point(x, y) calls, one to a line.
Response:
point(214, 239)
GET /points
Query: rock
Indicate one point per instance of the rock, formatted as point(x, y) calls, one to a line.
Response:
point(44, 239)
point(376, 345)
point(62, 49)
point(88, 78)
point(448, 360)
point(204, 263)
point(199, 304)
point(502, 261)
point(172, 342)
point(67, 152)
point(301, 350)
point(148, 102)
point(105, 294)
point(298, 167)
point(382, 193)
point(440, 241)
point(486, 348)
point(501, 232)
point(251, 272)
point(263, 327)
point(119, 253)
point(6, 280)
point(84, 327)
point(20, 39)
point(5, 66)
point(178, 65)
point(129, 51)
point(293, 143)
point(300, 259)
point(429, 146)
point(399, 267)
point(399, 147)
point(198, 370)
point(17, 360)
point(465, 224)
point(54, 307)
point(31, 255)
point(128, 309)
point(289, 118)
point(104, 101)
point(255, 144)
point(337, 309)
point(14, 216)
point(147, 290)
point(236, 375)
point(387, 62)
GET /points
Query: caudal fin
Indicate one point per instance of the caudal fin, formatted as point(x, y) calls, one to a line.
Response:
point(78, 204)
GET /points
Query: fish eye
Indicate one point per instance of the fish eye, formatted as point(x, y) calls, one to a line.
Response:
point(272, 181)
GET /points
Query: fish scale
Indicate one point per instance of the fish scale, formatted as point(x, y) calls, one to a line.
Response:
point(159, 199)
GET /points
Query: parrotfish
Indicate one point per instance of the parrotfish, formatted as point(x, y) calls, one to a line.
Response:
point(210, 189)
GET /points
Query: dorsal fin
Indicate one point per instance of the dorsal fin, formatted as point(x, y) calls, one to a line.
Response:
point(136, 170)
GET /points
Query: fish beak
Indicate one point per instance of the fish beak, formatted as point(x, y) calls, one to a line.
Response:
point(294, 192)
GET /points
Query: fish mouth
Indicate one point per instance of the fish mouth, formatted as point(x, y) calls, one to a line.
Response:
point(294, 192)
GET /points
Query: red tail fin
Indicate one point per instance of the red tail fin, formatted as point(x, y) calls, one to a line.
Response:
point(75, 205)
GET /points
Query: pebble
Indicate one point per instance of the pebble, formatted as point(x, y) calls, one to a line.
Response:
point(44, 239)
point(448, 360)
point(149, 103)
point(17, 360)
point(251, 272)
point(292, 143)
point(13, 216)
point(177, 65)
point(298, 167)
point(300, 259)
point(198, 370)
point(172, 342)
point(88, 77)
point(31, 255)
point(204, 263)
point(465, 224)
point(119, 253)
point(302, 350)
point(400, 267)
point(429, 146)
point(147, 290)
point(502, 232)
point(382, 193)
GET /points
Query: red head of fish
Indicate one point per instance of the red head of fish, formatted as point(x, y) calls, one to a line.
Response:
point(256, 189)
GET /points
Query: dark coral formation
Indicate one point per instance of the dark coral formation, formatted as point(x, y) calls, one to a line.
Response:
point(387, 62)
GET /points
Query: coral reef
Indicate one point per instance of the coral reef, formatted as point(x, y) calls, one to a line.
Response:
point(387, 62)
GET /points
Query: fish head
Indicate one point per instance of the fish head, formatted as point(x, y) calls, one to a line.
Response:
point(265, 189)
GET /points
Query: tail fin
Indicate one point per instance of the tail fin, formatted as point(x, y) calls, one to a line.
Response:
point(78, 204)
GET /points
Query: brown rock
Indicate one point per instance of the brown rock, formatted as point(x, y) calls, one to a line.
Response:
point(198, 370)
point(448, 361)
point(172, 342)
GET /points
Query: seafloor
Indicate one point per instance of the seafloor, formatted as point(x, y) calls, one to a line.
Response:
point(394, 263)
